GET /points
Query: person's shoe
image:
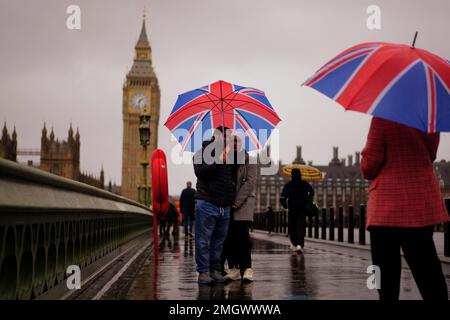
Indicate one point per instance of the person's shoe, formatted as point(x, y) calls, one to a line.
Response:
point(204, 278)
point(298, 249)
point(217, 277)
point(248, 275)
point(292, 248)
point(234, 274)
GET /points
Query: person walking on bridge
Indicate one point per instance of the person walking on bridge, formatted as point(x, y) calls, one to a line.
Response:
point(270, 219)
point(172, 218)
point(187, 208)
point(405, 203)
point(294, 197)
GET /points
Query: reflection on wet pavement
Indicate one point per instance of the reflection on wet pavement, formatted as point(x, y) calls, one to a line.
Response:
point(319, 273)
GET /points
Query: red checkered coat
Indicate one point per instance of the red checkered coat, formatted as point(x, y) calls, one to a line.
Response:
point(404, 192)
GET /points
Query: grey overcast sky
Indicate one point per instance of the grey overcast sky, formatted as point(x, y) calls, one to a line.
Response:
point(54, 75)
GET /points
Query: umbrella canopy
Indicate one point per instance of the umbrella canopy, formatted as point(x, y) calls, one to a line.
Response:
point(308, 173)
point(400, 83)
point(244, 110)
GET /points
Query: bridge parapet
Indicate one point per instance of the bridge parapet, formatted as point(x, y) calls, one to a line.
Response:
point(48, 223)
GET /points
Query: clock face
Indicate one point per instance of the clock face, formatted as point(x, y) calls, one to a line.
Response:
point(139, 101)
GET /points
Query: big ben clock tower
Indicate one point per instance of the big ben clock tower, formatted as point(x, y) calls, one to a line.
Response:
point(140, 90)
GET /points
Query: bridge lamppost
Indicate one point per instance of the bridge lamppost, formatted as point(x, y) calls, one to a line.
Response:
point(144, 135)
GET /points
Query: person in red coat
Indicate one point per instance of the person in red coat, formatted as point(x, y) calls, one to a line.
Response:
point(405, 203)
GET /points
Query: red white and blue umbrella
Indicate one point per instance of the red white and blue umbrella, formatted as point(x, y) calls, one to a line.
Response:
point(400, 83)
point(246, 111)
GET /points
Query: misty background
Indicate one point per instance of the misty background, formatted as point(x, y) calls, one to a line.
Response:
point(58, 76)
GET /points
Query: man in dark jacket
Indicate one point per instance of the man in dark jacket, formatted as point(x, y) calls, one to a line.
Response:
point(187, 208)
point(294, 197)
point(215, 195)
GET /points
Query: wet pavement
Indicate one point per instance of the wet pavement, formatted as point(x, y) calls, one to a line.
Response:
point(324, 271)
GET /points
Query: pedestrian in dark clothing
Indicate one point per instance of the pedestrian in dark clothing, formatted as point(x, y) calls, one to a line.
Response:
point(294, 197)
point(162, 223)
point(187, 208)
point(172, 219)
point(270, 219)
point(237, 248)
point(215, 195)
point(405, 202)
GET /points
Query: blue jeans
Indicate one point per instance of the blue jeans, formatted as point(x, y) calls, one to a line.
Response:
point(211, 228)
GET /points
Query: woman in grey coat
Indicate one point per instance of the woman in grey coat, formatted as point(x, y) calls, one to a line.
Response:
point(237, 247)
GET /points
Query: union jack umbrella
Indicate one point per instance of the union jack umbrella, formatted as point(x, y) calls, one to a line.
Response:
point(400, 83)
point(244, 110)
point(308, 173)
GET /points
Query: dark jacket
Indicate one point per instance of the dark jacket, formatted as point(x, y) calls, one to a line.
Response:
point(295, 195)
point(172, 214)
point(214, 181)
point(187, 200)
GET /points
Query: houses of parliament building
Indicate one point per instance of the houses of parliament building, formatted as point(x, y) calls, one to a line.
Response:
point(60, 157)
point(342, 182)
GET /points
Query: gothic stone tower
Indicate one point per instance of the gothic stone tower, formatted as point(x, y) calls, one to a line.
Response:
point(140, 90)
point(8, 144)
point(61, 157)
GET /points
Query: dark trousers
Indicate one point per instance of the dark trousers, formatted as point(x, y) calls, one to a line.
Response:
point(174, 226)
point(237, 248)
point(270, 224)
point(297, 228)
point(420, 253)
point(188, 222)
point(162, 227)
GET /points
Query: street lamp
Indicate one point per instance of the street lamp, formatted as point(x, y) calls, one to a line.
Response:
point(144, 136)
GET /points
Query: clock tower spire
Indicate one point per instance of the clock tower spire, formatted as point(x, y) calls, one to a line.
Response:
point(143, 51)
point(140, 90)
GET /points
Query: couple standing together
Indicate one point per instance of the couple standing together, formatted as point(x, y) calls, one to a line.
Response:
point(225, 204)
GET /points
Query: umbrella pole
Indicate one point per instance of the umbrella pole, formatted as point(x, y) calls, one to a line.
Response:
point(224, 133)
point(415, 38)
